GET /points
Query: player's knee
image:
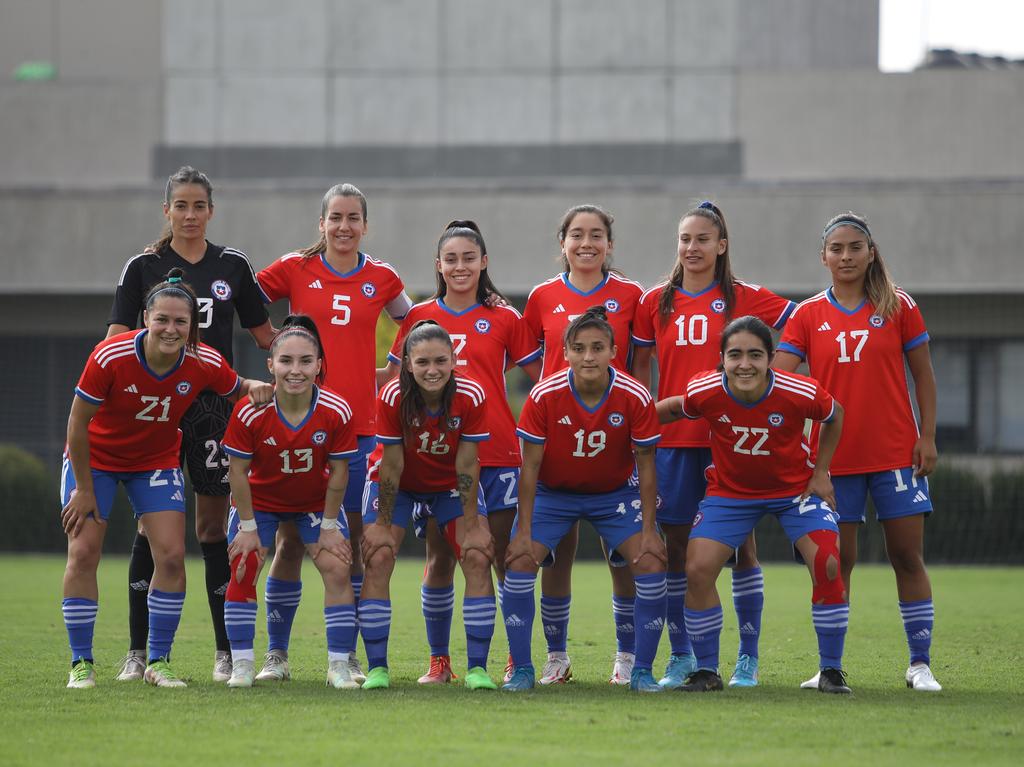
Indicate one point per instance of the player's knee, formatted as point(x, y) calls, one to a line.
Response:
point(289, 549)
point(907, 561)
point(700, 572)
point(440, 566)
point(829, 588)
point(243, 590)
point(475, 563)
point(380, 564)
point(83, 557)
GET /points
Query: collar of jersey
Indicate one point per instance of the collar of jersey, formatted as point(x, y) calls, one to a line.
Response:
point(577, 291)
point(171, 251)
point(835, 302)
point(604, 397)
point(300, 424)
point(359, 265)
point(443, 305)
point(712, 286)
point(748, 405)
point(141, 355)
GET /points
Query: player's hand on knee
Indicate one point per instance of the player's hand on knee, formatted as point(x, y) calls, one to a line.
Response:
point(333, 542)
point(478, 536)
point(821, 486)
point(375, 538)
point(73, 516)
point(651, 545)
point(520, 548)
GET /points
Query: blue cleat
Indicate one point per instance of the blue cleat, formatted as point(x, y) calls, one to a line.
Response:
point(679, 667)
point(745, 674)
point(522, 679)
point(642, 680)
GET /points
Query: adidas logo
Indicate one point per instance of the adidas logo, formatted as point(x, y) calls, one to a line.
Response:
point(656, 625)
point(315, 284)
point(920, 497)
point(514, 620)
point(824, 326)
point(275, 617)
point(922, 634)
point(626, 628)
point(674, 628)
point(558, 309)
point(221, 590)
point(551, 631)
point(566, 420)
point(724, 419)
point(748, 628)
point(142, 585)
point(177, 496)
point(133, 389)
point(270, 441)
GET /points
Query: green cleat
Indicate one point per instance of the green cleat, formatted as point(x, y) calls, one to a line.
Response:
point(159, 674)
point(82, 676)
point(478, 679)
point(377, 678)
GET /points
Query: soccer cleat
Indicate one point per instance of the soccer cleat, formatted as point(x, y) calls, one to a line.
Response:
point(377, 678)
point(159, 674)
point(522, 679)
point(243, 672)
point(557, 670)
point(745, 673)
point(222, 666)
point(702, 680)
point(812, 683)
point(275, 667)
point(833, 680)
point(642, 680)
point(477, 678)
point(133, 666)
point(920, 677)
point(440, 671)
point(339, 675)
point(622, 669)
point(509, 668)
point(355, 670)
point(82, 676)
point(679, 667)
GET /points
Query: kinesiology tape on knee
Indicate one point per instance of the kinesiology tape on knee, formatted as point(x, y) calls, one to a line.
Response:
point(827, 591)
point(244, 590)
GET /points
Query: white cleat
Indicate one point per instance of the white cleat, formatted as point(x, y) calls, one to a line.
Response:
point(222, 666)
point(82, 676)
point(133, 666)
point(623, 668)
point(275, 667)
point(920, 677)
point(355, 670)
point(558, 669)
point(811, 684)
point(243, 673)
point(159, 674)
point(339, 675)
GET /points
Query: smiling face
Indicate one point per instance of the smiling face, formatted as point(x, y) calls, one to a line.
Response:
point(460, 264)
point(847, 254)
point(700, 244)
point(168, 321)
point(294, 364)
point(589, 353)
point(586, 244)
point(431, 363)
point(188, 212)
point(343, 226)
point(745, 361)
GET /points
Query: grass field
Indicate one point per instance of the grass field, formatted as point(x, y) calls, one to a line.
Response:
point(977, 719)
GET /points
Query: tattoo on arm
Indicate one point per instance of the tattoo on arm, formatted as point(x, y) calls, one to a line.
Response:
point(465, 482)
point(386, 501)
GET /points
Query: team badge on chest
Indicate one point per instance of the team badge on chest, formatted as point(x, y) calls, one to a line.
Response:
point(611, 305)
point(482, 326)
point(718, 305)
point(876, 320)
point(776, 419)
point(369, 289)
point(220, 290)
point(616, 419)
point(183, 388)
point(319, 437)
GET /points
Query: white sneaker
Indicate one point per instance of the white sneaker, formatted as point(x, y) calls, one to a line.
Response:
point(159, 674)
point(275, 667)
point(811, 684)
point(623, 668)
point(339, 675)
point(920, 677)
point(243, 673)
point(557, 670)
point(82, 676)
point(222, 666)
point(133, 666)
point(355, 670)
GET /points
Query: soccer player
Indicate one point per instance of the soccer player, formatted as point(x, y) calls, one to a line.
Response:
point(344, 291)
point(683, 318)
point(760, 466)
point(225, 285)
point(581, 428)
point(429, 421)
point(489, 338)
point(289, 470)
point(585, 238)
point(123, 428)
point(858, 337)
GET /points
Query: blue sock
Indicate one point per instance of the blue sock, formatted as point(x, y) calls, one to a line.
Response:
point(651, 595)
point(748, 598)
point(164, 616)
point(554, 614)
point(623, 609)
point(80, 621)
point(830, 623)
point(240, 624)
point(340, 621)
point(375, 626)
point(438, 606)
point(918, 622)
point(478, 615)
point(357, 590)
point(675, 620)
point(518, 608)
point(705, 628)
point(282, 601)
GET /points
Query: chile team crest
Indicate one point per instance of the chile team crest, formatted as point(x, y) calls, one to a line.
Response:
point(616, 419)
point(319, 437)
point(183, 388)
point(876, 320)
point(454, 422)
point(776, 419)
point(369, 289)
point(611, 305)
point(482, 325)
point(220, 290)
point(718, 305)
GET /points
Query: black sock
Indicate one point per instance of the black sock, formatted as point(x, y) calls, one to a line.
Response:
point(140, 573)
point(218, 573)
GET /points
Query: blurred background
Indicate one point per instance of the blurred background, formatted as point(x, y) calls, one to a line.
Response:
point(783, 111)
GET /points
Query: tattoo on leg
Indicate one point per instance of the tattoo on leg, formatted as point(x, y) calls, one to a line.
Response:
point(386, 501)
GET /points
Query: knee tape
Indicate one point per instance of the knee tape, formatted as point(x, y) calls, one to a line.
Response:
point(827, 591)
point(245, 589)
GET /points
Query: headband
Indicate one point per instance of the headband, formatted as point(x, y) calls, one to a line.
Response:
point(173, 290)
point(845, 222)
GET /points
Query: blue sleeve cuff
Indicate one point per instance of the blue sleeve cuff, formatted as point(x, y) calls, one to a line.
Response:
point(915, 342)
point(535, 439)
point(641, 341)
point(235, 452)
point(88, 397)
point(785, 316)
point(792, 350)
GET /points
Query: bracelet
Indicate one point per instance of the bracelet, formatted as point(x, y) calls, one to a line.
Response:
point(329, 524)
point(247, 525)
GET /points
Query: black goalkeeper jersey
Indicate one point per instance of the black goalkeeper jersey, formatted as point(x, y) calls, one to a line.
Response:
point(223, 281)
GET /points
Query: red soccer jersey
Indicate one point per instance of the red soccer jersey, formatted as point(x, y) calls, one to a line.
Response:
point(552, 305)
point(588, 450)
point(487, 341)
point(429, 465)
point(289, 468)
point(136, 427)
point(345, 308)
point(859, 357)
point(758, 450)
point(688, 341)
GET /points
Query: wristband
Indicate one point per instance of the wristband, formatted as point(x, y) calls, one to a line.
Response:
point(329, 524)
point(247, 525)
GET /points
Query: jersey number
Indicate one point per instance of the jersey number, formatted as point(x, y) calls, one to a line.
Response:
point(509, 478)
point(901, 486)
point(693, 331)
point(459, 343)
point(205, 312)
point(153, 402)
point(437, 447)
point(303, 458)
point(745, 434)
point(157, 481)
point(211, 457)
point(594, 443)
point(861, 337)
point(344, 311)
